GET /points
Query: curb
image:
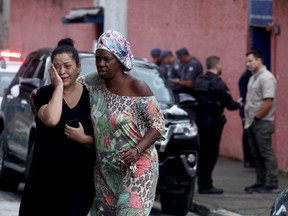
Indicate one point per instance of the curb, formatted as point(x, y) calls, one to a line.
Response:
point(209, 210)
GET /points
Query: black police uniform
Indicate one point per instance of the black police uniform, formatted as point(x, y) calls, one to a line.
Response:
point(243, 83)
point(173, 73)
point(185, 71)
point(213, 96)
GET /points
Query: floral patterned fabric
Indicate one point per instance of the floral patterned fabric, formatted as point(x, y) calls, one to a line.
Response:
point(121, 122)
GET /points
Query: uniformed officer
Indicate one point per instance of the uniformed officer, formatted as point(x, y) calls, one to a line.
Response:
point(167, 60)
point(249, 161)
point(213, 96)
point(155, 54)
point(189, 67)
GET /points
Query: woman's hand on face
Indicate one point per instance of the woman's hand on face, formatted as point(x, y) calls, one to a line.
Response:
point(54, 76)
point(128, 156)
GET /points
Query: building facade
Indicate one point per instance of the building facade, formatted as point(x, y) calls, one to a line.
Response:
point(204, 27)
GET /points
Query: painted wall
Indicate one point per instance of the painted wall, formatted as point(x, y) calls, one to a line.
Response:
point(37, 24)
point(280, 65)
point(204, 27)
point(4, 22)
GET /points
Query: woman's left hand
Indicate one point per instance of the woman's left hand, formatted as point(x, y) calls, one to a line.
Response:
point(128, 156)
point(73, 133)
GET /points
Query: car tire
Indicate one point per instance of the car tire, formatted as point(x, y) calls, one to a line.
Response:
point(9, 179)
point(178, 204)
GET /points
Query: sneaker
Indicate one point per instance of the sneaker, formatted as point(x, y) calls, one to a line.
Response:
point(253, 188)
point(211, 191)
point(268, 189)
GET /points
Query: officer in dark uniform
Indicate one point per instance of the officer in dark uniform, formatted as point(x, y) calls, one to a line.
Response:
point(155, 54)
point(243, 83)
point(167, 60)
point(213, 96)
point(189, 68)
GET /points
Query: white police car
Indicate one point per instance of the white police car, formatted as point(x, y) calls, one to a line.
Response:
point(10, 63)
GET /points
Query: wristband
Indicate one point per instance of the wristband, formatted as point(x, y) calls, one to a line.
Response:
point(138, 150)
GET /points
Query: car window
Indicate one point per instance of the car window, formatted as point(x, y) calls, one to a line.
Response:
point(22, 70)
point(41, 70)
point(31, 69)
point(155, 82)
point(87, 65)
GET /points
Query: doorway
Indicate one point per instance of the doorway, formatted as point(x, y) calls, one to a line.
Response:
point(261, 40)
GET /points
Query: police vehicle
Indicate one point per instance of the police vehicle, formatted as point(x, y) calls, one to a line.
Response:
point(177, 154)
point(10, 63)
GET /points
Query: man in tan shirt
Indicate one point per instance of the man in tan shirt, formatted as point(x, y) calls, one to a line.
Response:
point(259, 121)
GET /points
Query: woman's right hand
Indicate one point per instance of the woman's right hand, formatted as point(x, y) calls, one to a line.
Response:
point(54, 76)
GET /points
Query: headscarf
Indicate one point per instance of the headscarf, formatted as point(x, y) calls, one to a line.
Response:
point(115, 43)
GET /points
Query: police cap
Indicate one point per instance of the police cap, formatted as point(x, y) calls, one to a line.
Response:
point(155, 52)
point(181, 52)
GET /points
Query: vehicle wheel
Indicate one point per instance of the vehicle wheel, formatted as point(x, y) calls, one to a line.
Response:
point(9, 179)
point(178, 204)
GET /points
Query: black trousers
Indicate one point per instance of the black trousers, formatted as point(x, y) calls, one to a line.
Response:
point(248, 158)
point(210, 130)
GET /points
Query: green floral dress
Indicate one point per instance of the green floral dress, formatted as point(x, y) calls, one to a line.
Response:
point(121, 122)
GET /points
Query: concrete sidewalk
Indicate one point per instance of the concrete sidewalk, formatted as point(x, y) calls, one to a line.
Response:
point(231, 176)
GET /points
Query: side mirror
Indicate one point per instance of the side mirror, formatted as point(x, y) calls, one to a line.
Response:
point(186, 101)
point(15, 90)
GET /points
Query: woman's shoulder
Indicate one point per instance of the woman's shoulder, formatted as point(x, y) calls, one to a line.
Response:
point(45, 89)
point(139, 87)
point(42, 95)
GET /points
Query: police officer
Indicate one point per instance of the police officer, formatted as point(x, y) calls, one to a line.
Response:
point(247, 155)
point(189, 68)
point(213, 96)
point(167, 60)
point(155, 54)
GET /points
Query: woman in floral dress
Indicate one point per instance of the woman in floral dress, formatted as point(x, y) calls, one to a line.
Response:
point(127, 122)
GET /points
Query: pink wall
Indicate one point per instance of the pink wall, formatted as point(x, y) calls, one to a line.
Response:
point(280, 65)
point(205, 28)
point(35, 24)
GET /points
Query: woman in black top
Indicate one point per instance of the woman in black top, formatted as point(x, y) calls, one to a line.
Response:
point(60, 180)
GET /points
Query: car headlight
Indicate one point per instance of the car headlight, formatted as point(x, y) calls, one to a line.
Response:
point(191, 158)
point(186, 129)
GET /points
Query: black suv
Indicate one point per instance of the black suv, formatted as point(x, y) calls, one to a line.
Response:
point(177, 154)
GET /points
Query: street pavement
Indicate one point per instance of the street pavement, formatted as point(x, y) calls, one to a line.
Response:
point(10, 202)
point(231, 176)
point(228, 174)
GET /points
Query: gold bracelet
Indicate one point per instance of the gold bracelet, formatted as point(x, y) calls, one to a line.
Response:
point(138, 150)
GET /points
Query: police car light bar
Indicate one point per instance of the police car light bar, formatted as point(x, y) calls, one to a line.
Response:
point(9, 54)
